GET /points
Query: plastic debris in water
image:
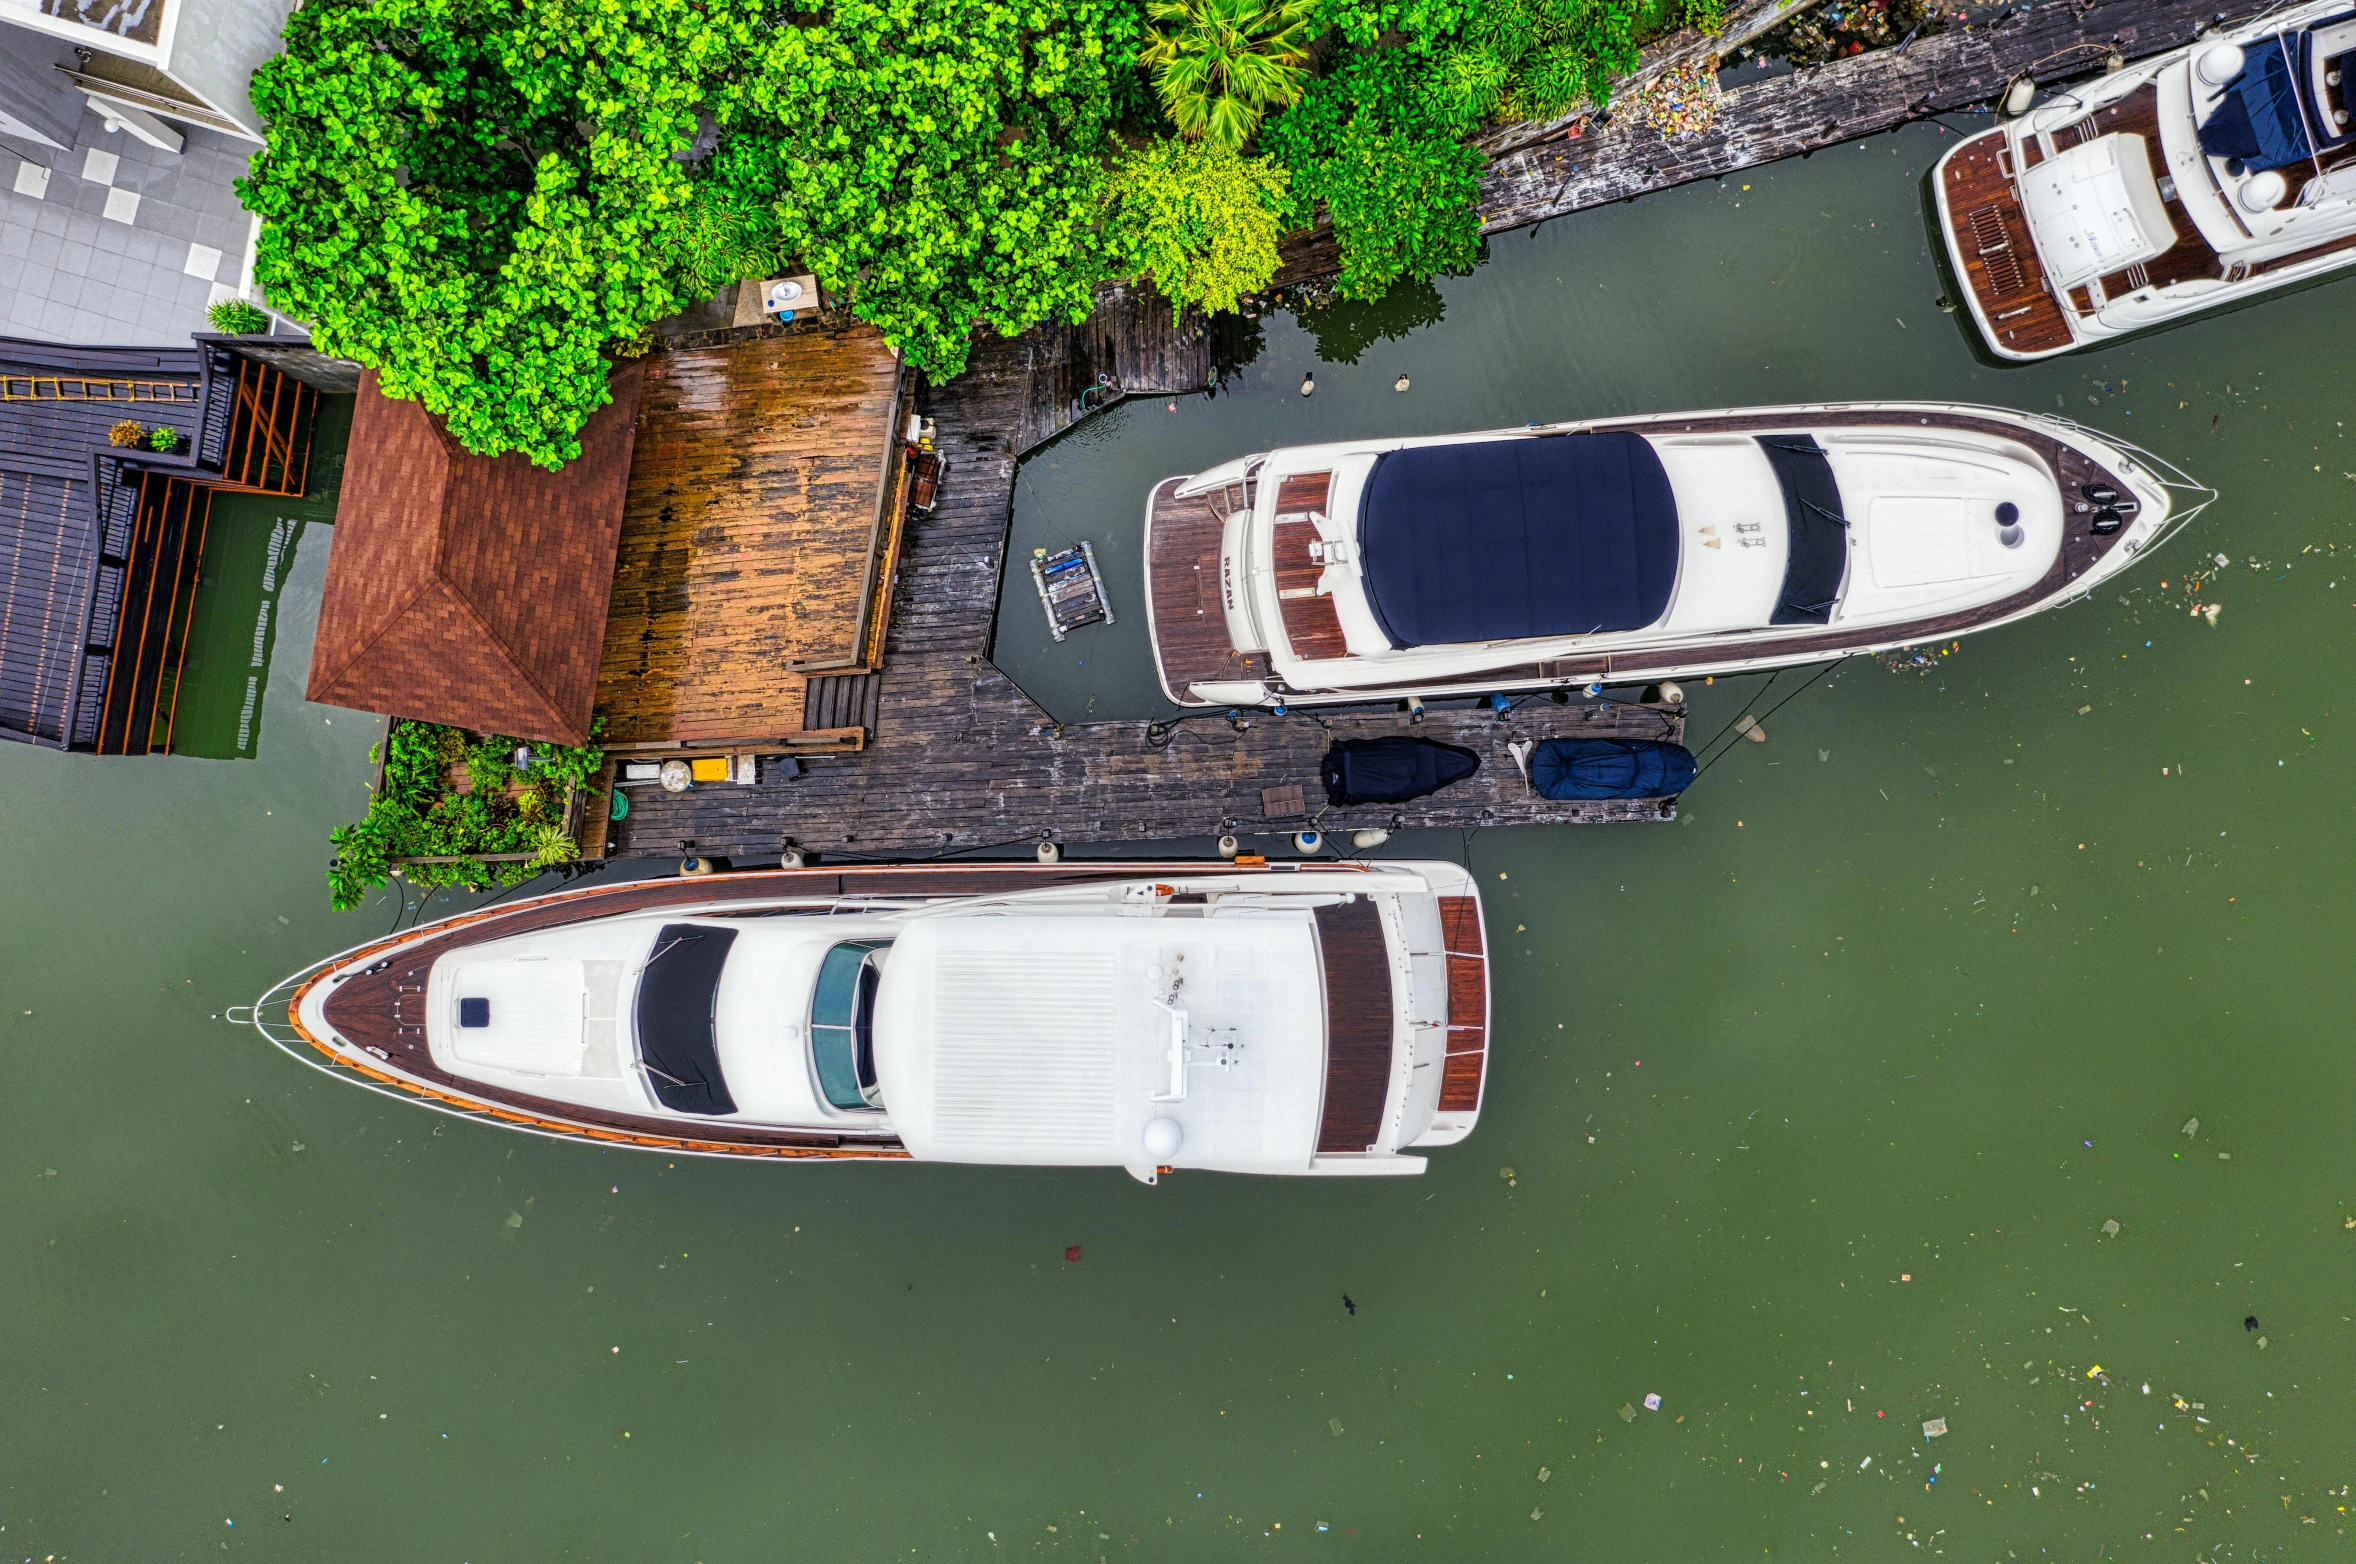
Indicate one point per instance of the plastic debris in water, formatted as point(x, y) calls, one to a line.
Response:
point(1862, 1465)
point(1545, 1473)
point(1627, 1413)
point(1652, 1403)
point(1934, 1428)
point(2110, 1228)
point(1748, 726)
point(1537, 1515)
point(1335, 1424)
point(2192, 1126)
point(1071, 1252)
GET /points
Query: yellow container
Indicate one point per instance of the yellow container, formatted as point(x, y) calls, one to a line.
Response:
point(714, 769)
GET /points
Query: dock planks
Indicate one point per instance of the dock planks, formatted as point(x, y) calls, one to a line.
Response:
point(753, 535)
point(963, 760)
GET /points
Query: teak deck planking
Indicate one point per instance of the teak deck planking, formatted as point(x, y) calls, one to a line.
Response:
point(1467, 1060)
point(2000, 261)
point(1358, 1026)
point(754, 534)
point(1190, 640)
point(1312, 627)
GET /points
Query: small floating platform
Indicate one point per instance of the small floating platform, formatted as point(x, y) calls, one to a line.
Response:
point(1071, 589)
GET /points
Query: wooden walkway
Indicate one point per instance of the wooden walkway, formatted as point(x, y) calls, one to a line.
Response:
point(754, 534)
point(962, 759)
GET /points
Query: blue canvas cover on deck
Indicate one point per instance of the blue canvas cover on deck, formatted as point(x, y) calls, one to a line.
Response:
point(1501, 540)
point(2265, 119)
point(1610, 768)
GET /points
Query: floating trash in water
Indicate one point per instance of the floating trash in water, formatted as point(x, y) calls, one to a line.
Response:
point(1748, 726)
point(1627, 1413)
point(1934, 1428)
point(1680, 103)
point(1335, 1424)
point(2192, 1126)
point(1545, 1473)
point(2110, 1228)
point(1507, 1175)
point(1652, 1403)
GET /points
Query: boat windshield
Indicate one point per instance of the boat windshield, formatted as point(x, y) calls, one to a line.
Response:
point(842, 1023)
point(678, 988)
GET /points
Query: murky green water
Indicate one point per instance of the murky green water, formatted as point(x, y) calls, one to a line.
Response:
point(1925, 991)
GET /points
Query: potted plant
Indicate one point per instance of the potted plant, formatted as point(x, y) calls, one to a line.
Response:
point(129, 432)
point(237, 318)
point(164, 439)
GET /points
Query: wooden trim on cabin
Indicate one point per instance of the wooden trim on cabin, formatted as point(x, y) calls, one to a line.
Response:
point(1466, 1066)
point(1359, 1025)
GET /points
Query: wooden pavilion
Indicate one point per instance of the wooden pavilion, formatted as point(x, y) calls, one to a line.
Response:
point(709, 575)
point(101, 545)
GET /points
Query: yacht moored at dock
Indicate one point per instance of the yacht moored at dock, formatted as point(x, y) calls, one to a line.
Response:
point(2186, 182)
point(1326, 1019)
point(1621, 550)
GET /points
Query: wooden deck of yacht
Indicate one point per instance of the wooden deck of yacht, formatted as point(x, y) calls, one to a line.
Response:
point(2000, 262)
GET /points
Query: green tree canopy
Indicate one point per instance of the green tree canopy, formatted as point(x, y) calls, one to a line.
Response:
point(1219, 65)
point(939, 162)
point(1201, 217)
point(472, 196)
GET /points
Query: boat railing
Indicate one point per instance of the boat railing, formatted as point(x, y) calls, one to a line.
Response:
point(2176, 480)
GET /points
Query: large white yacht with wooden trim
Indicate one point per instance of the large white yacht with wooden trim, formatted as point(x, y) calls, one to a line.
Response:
point(2186, 182)
point(1320, 1019)
point(1616, 551)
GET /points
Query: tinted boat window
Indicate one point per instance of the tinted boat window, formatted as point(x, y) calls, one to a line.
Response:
point(677, 991)
point(842, 1023)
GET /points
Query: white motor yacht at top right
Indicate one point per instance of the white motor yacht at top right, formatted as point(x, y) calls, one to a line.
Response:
point(2186, 182)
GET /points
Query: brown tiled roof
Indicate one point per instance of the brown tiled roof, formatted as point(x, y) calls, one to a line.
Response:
point(472, 590)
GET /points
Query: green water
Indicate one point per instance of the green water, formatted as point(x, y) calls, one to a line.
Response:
point(1927, 986)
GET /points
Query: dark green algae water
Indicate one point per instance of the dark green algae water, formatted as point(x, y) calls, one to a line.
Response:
point(1807, 1114)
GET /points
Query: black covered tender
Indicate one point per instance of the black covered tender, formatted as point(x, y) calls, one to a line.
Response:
point(1502, 540)
point(1819, 529)
point(1393, 770)
point(677, 992)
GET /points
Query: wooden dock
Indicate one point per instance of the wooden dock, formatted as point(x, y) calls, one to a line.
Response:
point(963, 760)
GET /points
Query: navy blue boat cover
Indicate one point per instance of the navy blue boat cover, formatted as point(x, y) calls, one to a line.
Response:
point(2266, 118)
point(1610, 768)
point(1500, 540)
point(1818, 558)
point(1393, 770)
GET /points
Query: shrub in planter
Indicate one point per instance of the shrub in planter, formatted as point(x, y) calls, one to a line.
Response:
point(129, 432)
point(163, 439)
point(237, 318)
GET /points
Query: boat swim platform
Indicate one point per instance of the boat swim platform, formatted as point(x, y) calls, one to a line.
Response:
point(961, 759)
point(757, 537)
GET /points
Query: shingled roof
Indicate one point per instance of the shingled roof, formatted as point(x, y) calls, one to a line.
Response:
point(472, 590)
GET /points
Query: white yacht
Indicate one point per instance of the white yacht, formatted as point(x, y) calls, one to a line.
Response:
point(1304, 1019)
point(1622, 550)
point(2188, 181)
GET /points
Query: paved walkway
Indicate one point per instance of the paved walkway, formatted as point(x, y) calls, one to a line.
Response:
point(116, 242)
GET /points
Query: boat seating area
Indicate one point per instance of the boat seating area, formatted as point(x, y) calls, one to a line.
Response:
point(101, 545)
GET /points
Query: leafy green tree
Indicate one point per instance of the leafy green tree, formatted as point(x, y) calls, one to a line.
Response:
point(1220, 65)
point(473, 195)
point(1402, 191)
point(938, 162)
point(1199, 216)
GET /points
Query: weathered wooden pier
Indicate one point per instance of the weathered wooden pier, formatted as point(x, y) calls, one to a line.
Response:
point(962, 760)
